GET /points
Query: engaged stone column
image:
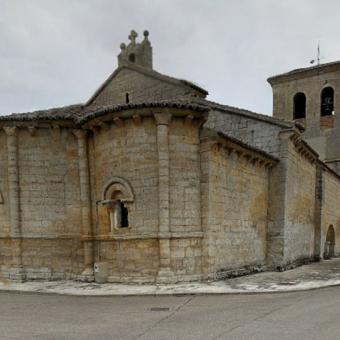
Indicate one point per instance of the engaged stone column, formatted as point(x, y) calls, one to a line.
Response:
point(85, 199)
point(16, 271)
point(277, 210)
point(162, 121)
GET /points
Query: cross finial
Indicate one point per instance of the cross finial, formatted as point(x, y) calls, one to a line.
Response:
point(133, 35)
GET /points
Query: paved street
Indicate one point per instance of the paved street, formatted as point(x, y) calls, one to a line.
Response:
point(308, 315)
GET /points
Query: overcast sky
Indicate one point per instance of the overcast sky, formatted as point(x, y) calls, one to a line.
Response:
point(57, 52)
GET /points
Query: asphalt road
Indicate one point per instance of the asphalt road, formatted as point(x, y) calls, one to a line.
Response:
point(303, 315)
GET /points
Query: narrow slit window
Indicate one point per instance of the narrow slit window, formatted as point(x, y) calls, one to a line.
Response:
point(125, 216)
point(127, 98)
point(119, 215)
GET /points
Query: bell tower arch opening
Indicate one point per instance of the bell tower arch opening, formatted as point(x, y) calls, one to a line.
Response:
point(327, 101)
point(299, 106)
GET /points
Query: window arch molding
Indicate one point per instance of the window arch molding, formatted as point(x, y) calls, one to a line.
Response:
point(327, 96)
point(299, 105)
point(117, 194)
point(118, 184)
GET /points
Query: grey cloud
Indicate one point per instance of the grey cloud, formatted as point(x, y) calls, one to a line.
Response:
point(56, 52)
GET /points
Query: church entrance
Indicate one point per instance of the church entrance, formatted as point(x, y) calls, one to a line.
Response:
point(330, 243)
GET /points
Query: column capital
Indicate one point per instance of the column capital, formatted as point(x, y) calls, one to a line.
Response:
point(10, 130)
point(32, 130)
point(137, 119)
point(79, 133)
point(162, 118)
point(118, 121)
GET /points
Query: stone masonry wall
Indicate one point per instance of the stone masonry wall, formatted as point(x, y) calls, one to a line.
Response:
point(184, 176)
point(134, 260)
point(4, 211)
point(234, 212)
point(49, 183)
point(324, 138)
point(49, 205)
point(129, 151)
point(267, 137)
point(283, 95)
point(330, 210)
point(185, 202)
point(139, 87)
point(186, 258)
point(252, 131)
point(5, 228)
point(300, 205)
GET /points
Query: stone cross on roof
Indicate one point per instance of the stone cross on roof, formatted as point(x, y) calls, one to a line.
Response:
point(132, 37)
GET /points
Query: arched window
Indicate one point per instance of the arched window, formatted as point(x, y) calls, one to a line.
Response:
point(117, 196)
point(299, 106)
point(327, 102)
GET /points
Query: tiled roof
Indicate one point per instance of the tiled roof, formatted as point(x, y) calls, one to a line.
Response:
point(83, 112)
point(180, 104)
point(69, 112)
point(65, 112)
point(80, 113)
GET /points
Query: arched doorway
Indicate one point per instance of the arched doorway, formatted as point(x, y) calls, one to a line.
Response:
point(330, 243)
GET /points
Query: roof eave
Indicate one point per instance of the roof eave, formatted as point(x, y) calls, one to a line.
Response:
point(303, 72)
point(131, 107)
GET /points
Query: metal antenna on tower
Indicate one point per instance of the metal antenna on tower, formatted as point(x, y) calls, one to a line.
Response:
point(318, 58)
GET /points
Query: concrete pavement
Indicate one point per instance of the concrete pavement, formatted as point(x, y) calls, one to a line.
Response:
point(311, 315)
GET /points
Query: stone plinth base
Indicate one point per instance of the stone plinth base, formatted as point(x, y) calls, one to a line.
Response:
point(165, 275)
point(17, 273)
point(87, 275)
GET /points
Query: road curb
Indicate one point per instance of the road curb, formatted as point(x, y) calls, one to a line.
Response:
point(167, 293)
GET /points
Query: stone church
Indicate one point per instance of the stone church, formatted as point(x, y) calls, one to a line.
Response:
point(149, 181)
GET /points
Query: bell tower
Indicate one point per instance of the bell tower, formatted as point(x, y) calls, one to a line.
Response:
point(311, 96)
point(139, 54)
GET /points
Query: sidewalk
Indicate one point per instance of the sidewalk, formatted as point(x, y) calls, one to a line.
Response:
point(312, 276)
